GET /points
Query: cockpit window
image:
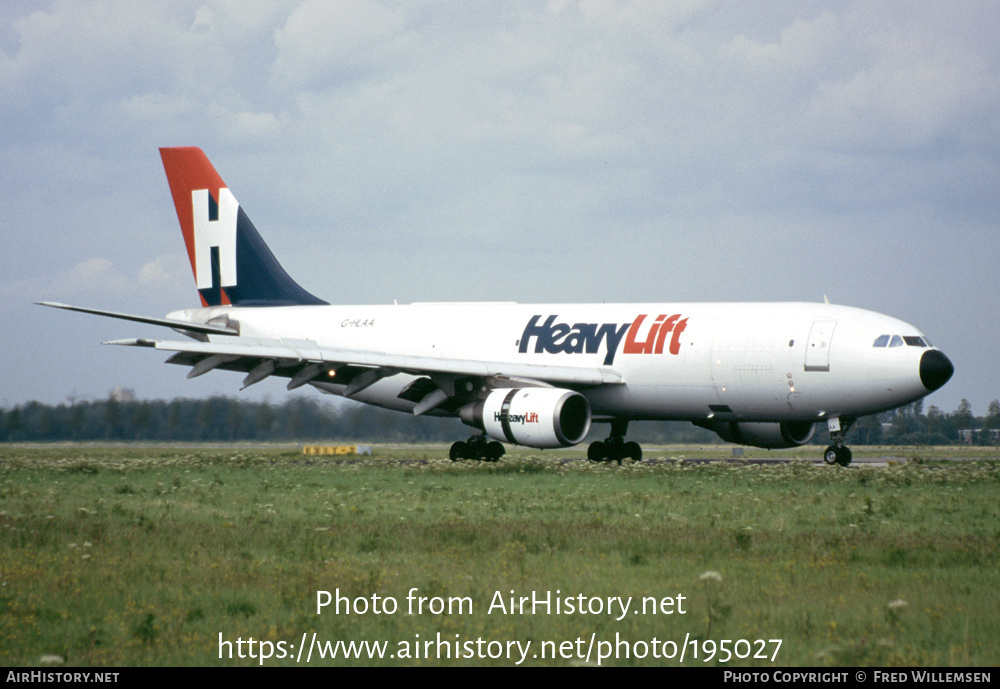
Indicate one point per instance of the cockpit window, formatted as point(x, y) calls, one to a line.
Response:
point(897, 341)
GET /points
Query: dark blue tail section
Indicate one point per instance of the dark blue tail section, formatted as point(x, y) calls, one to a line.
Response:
point(261, 279)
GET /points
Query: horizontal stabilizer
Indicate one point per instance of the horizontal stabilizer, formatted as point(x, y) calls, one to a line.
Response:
point(166, 322)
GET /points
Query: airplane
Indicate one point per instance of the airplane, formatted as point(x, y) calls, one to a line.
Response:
point(537, 375)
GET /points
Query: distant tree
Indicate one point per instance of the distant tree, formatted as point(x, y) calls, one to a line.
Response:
point(77, 420)
point(935, 420)
point(263, 421)
point(112, 417)
point(908, 424)
point(234, 418)
point(205, 423)
point(13, 424)
point(141, 421)
point(867, 430)
point(175, 418)
point(992, 415)
point(962, 417)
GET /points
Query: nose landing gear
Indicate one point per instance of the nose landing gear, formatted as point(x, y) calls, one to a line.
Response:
point(838, 453)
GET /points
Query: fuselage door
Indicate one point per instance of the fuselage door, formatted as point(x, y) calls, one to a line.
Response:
point(818, 346)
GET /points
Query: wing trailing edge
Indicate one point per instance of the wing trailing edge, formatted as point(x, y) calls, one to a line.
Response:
point(304, 361)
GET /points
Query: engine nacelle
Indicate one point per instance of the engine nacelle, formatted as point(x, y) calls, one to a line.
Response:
point(535, 417)
point(767, 435)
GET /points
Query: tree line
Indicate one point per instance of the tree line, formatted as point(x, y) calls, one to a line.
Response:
point(226, 419)
point(216, 419)
point(911, 425)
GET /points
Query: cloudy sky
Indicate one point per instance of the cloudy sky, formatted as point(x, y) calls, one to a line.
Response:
point(693, 150)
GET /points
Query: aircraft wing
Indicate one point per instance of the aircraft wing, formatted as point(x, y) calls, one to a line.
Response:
point(304, 361)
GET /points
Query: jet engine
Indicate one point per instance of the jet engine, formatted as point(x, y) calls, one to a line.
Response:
point(535, 417)
point(767, 435)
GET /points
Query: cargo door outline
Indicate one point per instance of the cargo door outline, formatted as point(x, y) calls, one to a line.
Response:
point(818, 346)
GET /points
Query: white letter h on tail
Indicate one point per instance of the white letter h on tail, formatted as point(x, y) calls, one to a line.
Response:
point(219, 234)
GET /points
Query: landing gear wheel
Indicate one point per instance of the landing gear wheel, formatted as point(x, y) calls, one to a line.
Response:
point(838, 453)
point(494, 451)
point(633, 451)
point(478, 448)
point(841, 455)
point(458, 451)
point(614, 448)
point(844, 456)
point(596, 451)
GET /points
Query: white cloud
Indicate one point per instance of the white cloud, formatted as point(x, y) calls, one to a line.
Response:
point(92, 276)
point(164, 270)
point(97, 278)
point(322, 39)
point(909, 97)
point(806, 48)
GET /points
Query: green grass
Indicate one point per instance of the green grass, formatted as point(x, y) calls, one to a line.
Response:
point(144, 555)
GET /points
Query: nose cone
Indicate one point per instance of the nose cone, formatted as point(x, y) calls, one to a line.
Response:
point(935, 369)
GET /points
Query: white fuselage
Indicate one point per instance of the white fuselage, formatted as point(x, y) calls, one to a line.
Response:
point(729, 361)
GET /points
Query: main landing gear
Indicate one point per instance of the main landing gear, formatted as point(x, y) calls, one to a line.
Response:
point(838, 453)
point(479, 448)
point(615, 449)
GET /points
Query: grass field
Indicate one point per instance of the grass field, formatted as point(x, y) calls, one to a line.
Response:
point(132, 555)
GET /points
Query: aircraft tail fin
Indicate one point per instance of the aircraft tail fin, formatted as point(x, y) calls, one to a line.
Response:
point(231, 263)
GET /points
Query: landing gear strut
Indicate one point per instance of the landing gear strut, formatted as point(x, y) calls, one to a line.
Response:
point(838, 453)
point(615, 449)
point(478, 447)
